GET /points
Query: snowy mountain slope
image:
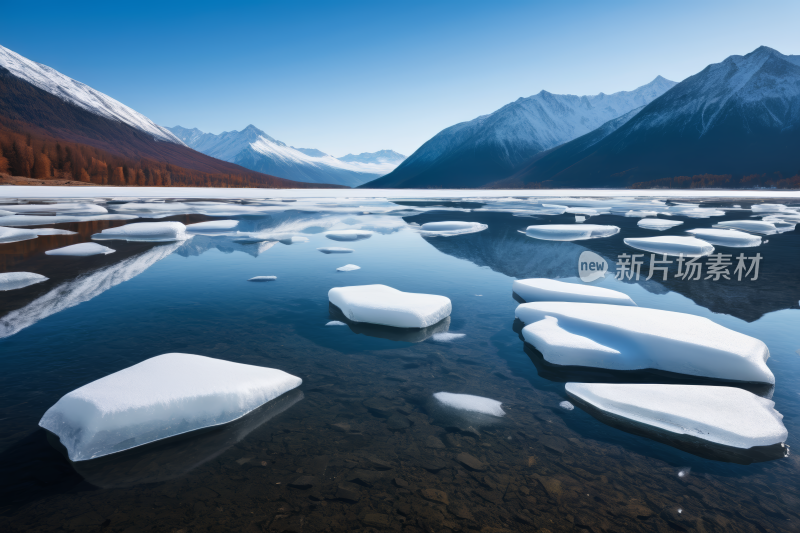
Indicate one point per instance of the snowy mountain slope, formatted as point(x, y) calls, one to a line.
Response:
point(740, 117)
point(492, 146)
point(254, 149)
point(80, 94)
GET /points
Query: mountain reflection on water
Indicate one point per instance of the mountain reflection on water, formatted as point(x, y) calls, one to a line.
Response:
point(367, 446)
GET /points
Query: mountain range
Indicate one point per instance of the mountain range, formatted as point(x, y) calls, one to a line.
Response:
point(254, 149)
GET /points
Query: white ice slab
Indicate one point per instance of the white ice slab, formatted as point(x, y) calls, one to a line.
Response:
point(145, 231)
point(570, 232)
point(44, 220)
point(59, 209)
point(335, 250)
point(18, 280)
point(468, 402)
point(755, 226)
point(447, 336)
point(8, 235)
point(263, 278)
point(727, 237)
point(550, 290)
point(212, 227)
point(658, 224)
point(768, 208)
point(641, 214)
point(335, 323)
point(723, 415)
point(348, 268)
point(349, 235)
point(160, 397)
point(83, 249)
point(379, 304)
point(450, 228)
point(620, 337)
point(671, 245)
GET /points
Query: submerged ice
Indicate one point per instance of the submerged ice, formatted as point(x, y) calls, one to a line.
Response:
point(468, 402)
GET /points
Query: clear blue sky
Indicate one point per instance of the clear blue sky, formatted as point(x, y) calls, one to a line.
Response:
point(363, 76)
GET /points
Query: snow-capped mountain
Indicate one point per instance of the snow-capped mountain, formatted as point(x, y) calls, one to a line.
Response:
point(737, 117)
point(492, 146)
point(254, 149)
point(80, 94)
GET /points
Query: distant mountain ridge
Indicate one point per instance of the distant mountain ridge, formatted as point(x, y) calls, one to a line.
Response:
point(739, 117)
point(493, 146)
point(254, 149)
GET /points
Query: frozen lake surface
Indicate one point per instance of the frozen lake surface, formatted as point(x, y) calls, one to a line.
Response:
point(363, 443)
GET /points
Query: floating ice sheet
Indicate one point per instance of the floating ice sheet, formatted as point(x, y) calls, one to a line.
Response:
point(348, 268)
point(447, 336)
point(468, 402)
point(723, 415)
point(53, 231)
point(83, 249)
point(549, 290)
point(672, 245)
point(570, 232)
point(335, 323)
point(379, 304)
point(768, 208)
point(335, 250)
point(213, 227)
point(619, 337)
point(349, 235)
point(263, 278)
point(8, 235)
point(449, 229)
point(43, 220)
point(58, 209)
point(727, 237)
point(658, 224)
point(160, 397)
point(145, 231)
point(755, 226)
point(18, 280)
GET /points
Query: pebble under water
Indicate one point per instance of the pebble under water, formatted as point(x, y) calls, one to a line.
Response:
point(362, 444)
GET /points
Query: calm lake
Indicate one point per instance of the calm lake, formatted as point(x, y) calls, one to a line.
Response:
point(361, 445)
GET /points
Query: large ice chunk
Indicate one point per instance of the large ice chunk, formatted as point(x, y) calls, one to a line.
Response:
point(335, 250)
point(658, 224)
point(727, 237)
point(468, 402)
point(755, 226)
point(83, 249)
point(671, 245)
point(450, 228)
point(212, 227)
point(723, 415)
point(570, 232)
point(349, 235)
point(619, 337)
point(15, 235)
point(379, 304)
point(18, 280)
point(549, 290)
point(160, 397)
point(145, 231)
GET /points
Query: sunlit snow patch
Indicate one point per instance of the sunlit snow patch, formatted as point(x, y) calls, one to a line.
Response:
point(83, 249)
point(379, 304)
point(263, 278)
point(570, 232)
point(448, 229)
point(8, 235)
point(619, 337)
point(335, 250)
point(468, 402)
point(160, 397)
point(549, 290)
point(727, 237)
point(348, 268)
point(672, 245)
point(658, 224)
point(723, 415)
point(18, 280)
point(145, 231)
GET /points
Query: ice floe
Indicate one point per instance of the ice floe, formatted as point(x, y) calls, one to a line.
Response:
point(8, 235)
point(382, 305)
point(468, 402)
point(212, 227)
point(44, 220)
point(617, 337)
point(449, 229)
point(723, 415)
point(447, 337)
point(263, 278)
point(145, 231)
point(549, 290)
point(768, 208)
point(53, 231)
point(672, 245)
point(83, 249)
point(158, 398)
point(570, 232)
point(754, 226)
point(18, 280)
point(349, 235)
point(335, 250)
point(641, 214)
point(348, 268)
point(57, 209)
point(658, 224)
point(727, 237)
point(335, 323)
